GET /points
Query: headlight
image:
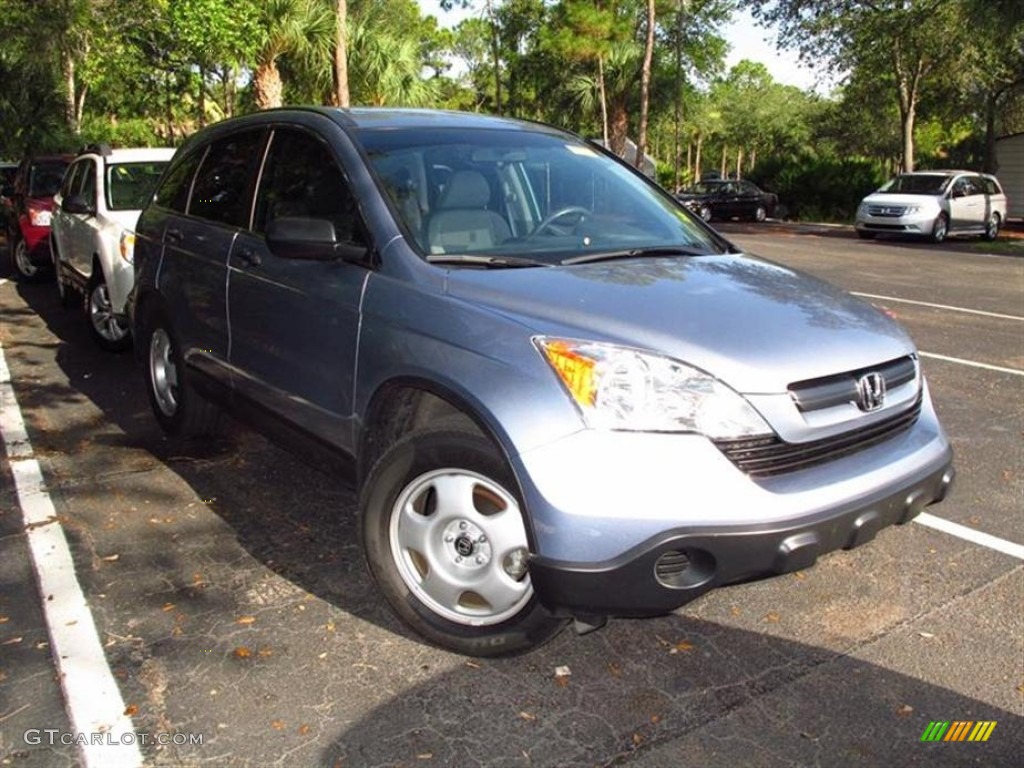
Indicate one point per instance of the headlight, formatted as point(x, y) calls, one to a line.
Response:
point(621, 388)
point(911, 209)
point(127, 246)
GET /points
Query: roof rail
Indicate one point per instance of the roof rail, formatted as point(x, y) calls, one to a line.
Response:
point(100, 148)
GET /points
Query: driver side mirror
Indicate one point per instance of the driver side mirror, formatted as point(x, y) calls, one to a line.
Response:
point(77, 204)
point(292, 237)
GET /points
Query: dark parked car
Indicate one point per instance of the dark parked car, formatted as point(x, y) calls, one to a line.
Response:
point(28, 216)
point(561, 395)
point(729, 199)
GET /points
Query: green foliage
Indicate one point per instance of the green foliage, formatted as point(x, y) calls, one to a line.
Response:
point(817, 188)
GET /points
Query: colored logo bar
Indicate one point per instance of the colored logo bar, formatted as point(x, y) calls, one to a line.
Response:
point(958, 730)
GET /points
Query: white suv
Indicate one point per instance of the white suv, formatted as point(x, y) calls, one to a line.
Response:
point(934, 204)
point(93, 232)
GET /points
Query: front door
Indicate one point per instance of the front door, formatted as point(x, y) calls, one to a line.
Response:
point(295, 322)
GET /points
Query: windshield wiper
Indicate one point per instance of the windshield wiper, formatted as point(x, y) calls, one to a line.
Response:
point(484, 261)
point(632, 253)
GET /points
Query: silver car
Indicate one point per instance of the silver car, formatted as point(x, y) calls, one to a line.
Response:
point(934, 204)
point(561, 395)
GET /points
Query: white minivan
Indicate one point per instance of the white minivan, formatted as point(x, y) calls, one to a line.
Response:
point(934, 204)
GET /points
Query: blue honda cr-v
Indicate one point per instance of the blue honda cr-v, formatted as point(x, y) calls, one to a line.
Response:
point(563, 397)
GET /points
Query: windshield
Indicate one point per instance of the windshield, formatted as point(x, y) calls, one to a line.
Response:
point(44, 178)
point(708, 188)
point(917, 184)
point(129, 185)
point(523, 194)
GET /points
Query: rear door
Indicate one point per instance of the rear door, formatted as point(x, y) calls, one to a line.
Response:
point(203, 214)
point(295, 322)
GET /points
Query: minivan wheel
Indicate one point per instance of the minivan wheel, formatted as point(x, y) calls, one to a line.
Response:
point(940, 228)
point(108, 329)
point(992, 226)
point(24, 269)
point(445, 539)
point(181, 411)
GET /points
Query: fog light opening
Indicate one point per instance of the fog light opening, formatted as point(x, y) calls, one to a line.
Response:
point(684, 568)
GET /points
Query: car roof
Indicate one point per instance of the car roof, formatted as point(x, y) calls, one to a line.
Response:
point(134, 154)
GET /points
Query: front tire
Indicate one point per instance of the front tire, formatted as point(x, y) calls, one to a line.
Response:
point(109, 330)
point(705, 212)
point(445, 540)
point(181, 411)
point(940, 228)
point(760, 214)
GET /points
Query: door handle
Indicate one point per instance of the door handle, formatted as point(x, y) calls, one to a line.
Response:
point(173, 236)
point(249, 257)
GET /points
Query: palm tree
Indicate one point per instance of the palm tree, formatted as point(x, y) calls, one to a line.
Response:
point(385, 69)
point(303, 28)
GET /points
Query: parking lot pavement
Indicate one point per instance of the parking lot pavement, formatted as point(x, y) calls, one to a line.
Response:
point(231, 601)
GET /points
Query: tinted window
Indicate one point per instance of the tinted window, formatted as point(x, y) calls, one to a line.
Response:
point(222, 187)
point(302, 179)
point(174, 191)
point(71, 179)
point(44, 178)
point(86, 182)
point(129, 185)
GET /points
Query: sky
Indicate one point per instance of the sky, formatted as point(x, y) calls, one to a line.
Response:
point(748, 41)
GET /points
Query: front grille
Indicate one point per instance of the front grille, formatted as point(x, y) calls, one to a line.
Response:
point(885, 210)
point(840, 389)
point(766, 456)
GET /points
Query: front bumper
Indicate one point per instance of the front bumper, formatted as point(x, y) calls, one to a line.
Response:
point(671, 569)
point(918, 224)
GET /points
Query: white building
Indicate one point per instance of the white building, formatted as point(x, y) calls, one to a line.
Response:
point(1010, 157)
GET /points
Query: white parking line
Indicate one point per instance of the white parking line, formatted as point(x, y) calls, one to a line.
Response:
point(950, 307)
point(969, 534)
point(972, 363)
point(94, 704)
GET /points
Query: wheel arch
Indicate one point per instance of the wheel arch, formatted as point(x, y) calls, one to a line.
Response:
point(406, 404)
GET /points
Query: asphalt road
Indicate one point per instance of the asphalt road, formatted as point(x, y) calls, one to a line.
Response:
point(231, 601)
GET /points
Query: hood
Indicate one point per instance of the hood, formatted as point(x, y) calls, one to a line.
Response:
point(755, 325)
point(894, 199)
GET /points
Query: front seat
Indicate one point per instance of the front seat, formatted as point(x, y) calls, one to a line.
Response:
point(461, 221)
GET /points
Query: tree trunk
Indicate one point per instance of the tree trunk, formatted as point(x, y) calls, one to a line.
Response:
point(990, 165)
point(202, 97)
point(70, 95)
point(739, 163)
point(725, 159)
point(618, 127)
point(267, 88)
point(341, 93)
point(696, 162)
point(645, 88)
point(495, 56)
point(603, 98)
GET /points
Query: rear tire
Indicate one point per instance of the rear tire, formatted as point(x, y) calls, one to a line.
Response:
point(992, 227)
point(109, 330)
point(181, 411)
point(445, 540)
point(24, 270)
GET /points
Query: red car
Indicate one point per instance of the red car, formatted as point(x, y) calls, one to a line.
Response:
point(28, 215)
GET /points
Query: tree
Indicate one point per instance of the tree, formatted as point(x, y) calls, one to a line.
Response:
point(903, 41)
point(341, 94)
point(645, 87)
point(303, 28)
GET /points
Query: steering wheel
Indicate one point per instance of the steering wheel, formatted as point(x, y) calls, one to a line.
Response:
point(548, 221)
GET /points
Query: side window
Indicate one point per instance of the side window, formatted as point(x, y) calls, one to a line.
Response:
point(302, 179)
point(67, 185)
point(222, 187)
point(87, 182)
point(173, 192)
